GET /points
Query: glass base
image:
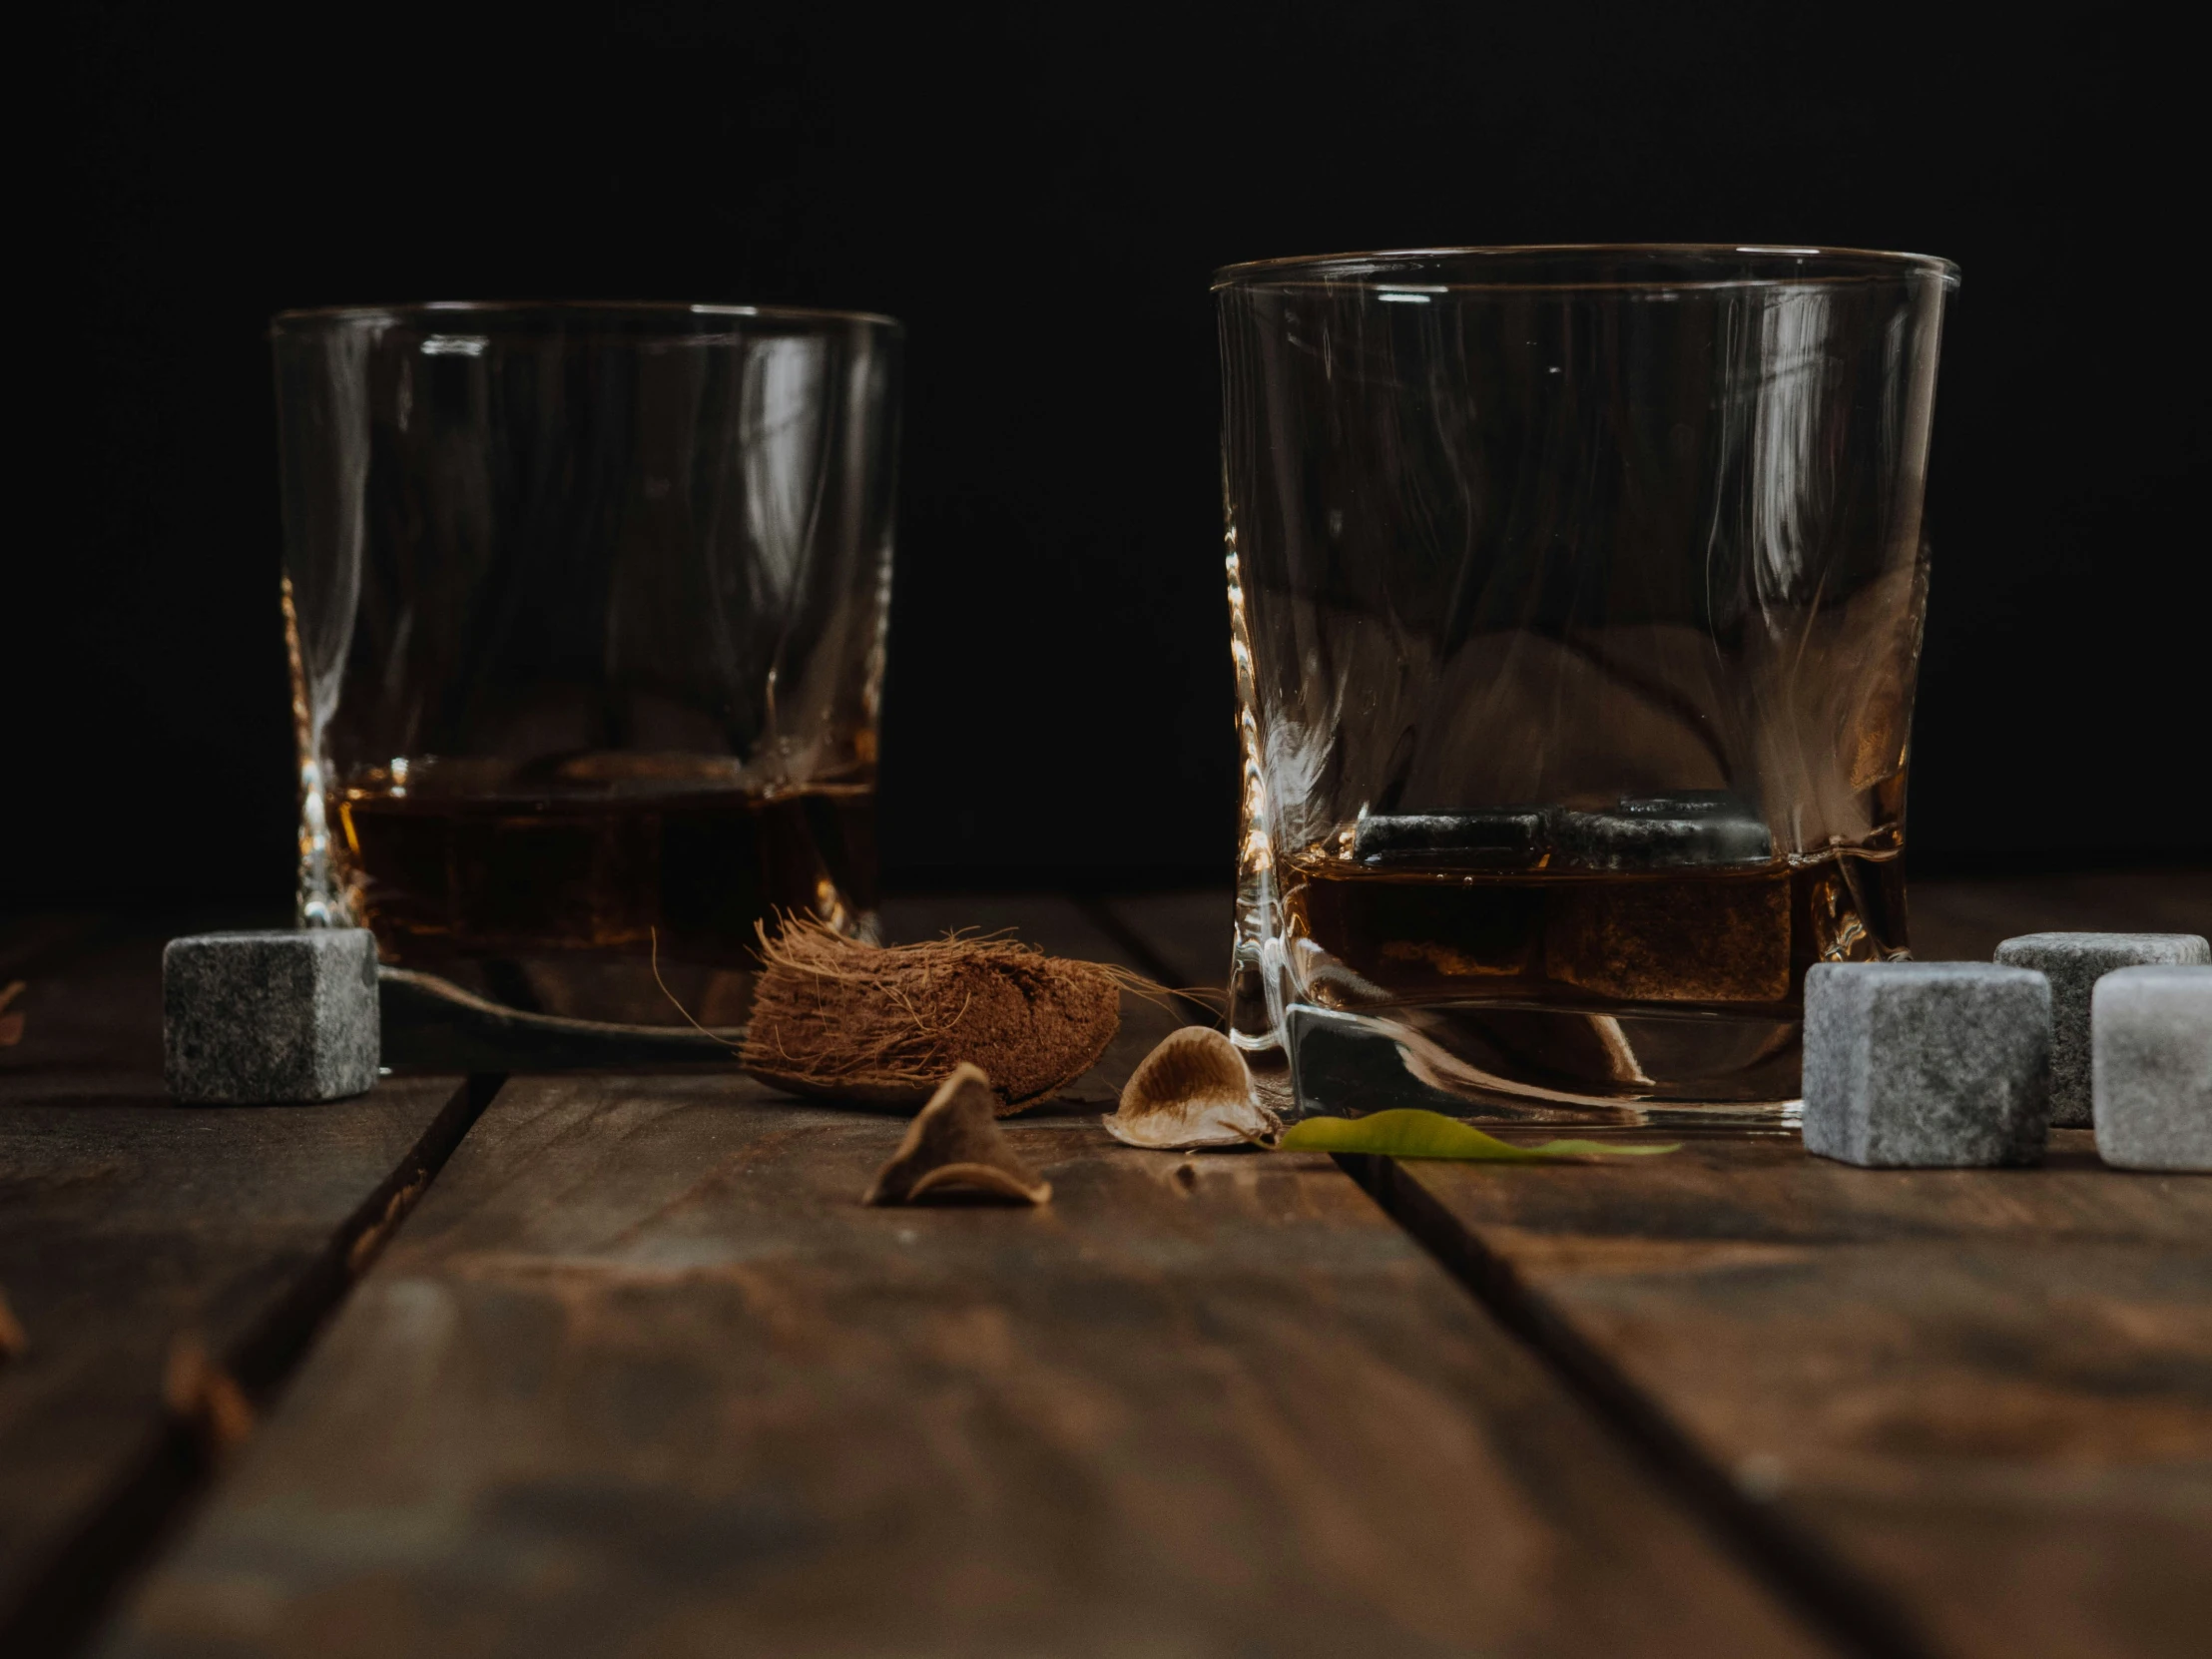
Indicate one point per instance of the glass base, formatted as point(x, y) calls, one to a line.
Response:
point(1538, 1064)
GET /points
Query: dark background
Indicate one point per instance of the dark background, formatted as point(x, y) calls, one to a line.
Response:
point(1040, 194)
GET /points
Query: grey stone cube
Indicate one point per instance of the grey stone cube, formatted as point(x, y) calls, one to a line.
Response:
point(254, 1018)
point(1926, 1064)
point(2153, 1067)
point(2073, 963)
point(1664, 831)
point(1509, 837)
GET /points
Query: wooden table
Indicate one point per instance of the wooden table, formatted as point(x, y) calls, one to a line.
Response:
point(608, 1365)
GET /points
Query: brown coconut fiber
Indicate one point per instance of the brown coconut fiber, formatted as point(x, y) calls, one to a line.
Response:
point(835, 1018)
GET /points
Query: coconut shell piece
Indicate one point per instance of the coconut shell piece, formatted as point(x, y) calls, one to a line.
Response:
point(839, 1018)
point(1193, 1090)
point(955, 1141)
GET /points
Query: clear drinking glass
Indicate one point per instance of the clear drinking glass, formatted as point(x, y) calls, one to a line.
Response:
point(1576, 597)
point(586, 609)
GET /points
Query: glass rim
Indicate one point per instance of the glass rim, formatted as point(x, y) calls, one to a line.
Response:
point(307, 317)
point(1405, 267)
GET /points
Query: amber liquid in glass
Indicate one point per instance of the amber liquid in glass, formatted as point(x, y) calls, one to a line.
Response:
point(556, 901)
point(1683, 984)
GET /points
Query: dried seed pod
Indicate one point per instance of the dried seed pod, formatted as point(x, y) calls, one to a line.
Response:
point(842, 1019)
point(955, 1141)
point(1191, 1090)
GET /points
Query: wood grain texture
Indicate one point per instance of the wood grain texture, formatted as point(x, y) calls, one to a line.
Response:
point(1988, 1393)
point(28, 942)
point(641, 1376)
point(134, 1235)
point(1189, 931)
point(1964, 919)
point(91, 1009)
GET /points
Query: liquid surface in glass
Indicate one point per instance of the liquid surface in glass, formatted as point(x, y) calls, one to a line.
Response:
point(552, 897)
point(1578, 989)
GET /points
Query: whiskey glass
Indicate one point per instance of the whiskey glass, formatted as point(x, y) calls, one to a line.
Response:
point(586, 606)
point(1575, 599)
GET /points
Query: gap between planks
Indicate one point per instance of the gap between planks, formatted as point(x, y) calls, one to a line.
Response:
point(1853, 1610)
point(518, 1220)
point(1179, 932)
point(1988, 1390)
point(1805, 1575)
point(212, 1402)
point(642, 1375)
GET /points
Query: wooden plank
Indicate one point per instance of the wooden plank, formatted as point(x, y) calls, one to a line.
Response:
point(1964, 919)
point(92, 1026)
point(1188, 933)
point(27, 941)
point(641, 1375)
point(166, 1266)
point(1987, 1392)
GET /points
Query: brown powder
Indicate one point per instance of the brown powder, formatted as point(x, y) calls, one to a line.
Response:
point(840, 1019)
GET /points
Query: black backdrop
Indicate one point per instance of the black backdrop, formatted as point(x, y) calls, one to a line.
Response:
point(1040, 194)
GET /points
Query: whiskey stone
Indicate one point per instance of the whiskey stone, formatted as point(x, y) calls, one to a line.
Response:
point(1504, 838)
point(2152, 1070)
point(254, 1018)
point(1926, 1064)
point(1665, 832)
point(2073, 963)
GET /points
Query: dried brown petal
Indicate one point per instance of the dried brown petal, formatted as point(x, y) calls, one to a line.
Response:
point(955, 1141)
point(1193, 1090)
point(11, 1024)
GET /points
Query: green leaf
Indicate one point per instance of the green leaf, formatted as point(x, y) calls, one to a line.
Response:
point(1412, 1134)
